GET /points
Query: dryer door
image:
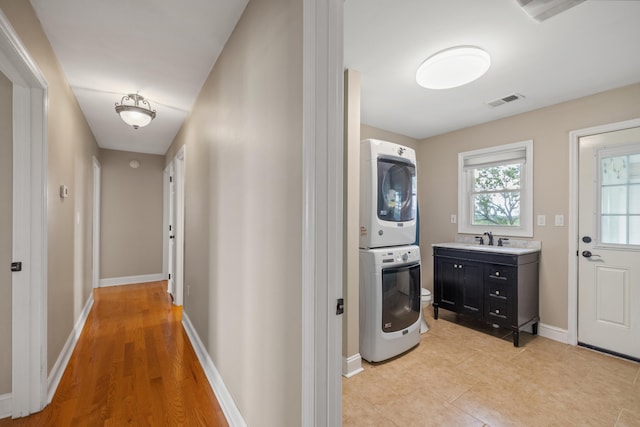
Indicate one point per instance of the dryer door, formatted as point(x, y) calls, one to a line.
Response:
point(397, 190)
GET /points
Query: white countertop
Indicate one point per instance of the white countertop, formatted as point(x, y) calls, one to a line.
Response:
point(512, 250)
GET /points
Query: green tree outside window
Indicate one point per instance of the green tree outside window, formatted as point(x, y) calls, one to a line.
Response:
point(496, 195)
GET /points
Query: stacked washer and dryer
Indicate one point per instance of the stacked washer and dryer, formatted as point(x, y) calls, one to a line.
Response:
point(390, 279)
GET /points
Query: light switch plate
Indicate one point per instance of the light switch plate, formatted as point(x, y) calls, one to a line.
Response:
point(454, 219)
point(559, 220)
point(542, 220)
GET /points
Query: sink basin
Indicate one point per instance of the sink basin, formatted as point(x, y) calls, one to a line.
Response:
point(486, 248)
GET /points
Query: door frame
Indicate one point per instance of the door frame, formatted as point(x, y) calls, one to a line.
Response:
point(95, 275)
point(175, 168)
point(574, 186)
point(29, 287)
point(166, 221)
point(322, 211)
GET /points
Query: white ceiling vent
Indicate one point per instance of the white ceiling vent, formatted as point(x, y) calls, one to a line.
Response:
point(541, 10)
point(505, 99)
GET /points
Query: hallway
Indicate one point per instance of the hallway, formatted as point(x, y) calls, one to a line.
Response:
point(133, 365)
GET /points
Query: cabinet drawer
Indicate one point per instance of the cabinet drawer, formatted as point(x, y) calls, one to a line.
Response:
point(500, 274)
point(497, 311)
point(498, 291)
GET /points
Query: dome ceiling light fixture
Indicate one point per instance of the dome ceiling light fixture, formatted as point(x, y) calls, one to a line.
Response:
point(453, 67)
point(135, 111)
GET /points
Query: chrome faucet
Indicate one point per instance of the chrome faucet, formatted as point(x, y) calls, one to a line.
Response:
point(490, 236)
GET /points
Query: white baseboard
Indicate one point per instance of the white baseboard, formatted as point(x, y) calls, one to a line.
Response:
point(351, 365)
point(5, 405)
point(130, 280)
point(553, 333)
point(63, 359)
point(228, 405)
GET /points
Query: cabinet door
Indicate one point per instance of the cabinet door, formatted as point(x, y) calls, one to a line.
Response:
point(471, 288)
point(446, 279)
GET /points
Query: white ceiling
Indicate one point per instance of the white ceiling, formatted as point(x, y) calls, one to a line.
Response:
point(590, 48)
point(165, 49)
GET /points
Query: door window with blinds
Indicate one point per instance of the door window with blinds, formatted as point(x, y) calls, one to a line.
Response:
point(619, 176)
point(495, 190)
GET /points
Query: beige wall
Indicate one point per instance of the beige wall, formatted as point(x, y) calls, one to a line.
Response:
point(243, 211)
point(131, 214)
point(71, 146)
point(6, 223)
point(351, 225)
point(549, 128)
point(370, 132)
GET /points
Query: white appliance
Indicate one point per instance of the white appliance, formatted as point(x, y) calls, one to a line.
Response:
point(388, 194)
point(390, 306)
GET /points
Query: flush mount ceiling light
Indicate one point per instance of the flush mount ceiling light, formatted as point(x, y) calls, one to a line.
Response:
point(453, 67)
point(135, 111)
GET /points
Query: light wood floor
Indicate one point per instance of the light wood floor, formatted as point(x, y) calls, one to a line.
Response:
point(468, 374)
point(133, 365)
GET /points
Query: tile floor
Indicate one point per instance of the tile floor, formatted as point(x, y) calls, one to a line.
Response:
point(473, 376)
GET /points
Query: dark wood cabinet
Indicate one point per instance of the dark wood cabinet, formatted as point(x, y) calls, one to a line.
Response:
point(460, 285)
point(499, 288)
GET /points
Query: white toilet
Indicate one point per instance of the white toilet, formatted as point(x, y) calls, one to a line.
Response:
point(425, 300)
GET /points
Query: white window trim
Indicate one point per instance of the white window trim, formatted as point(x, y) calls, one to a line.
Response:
point(526, 197)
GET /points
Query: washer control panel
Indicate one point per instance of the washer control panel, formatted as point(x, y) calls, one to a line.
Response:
point(398, 255)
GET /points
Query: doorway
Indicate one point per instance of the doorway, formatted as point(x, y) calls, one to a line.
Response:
point(95, 275)
point(29, 224)
point(603, 283)
point(174, 226)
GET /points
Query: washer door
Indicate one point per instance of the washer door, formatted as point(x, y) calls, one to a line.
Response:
point(400, 297)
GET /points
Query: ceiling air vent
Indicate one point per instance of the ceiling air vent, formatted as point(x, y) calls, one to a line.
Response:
point(541, 10)
point(506, 99)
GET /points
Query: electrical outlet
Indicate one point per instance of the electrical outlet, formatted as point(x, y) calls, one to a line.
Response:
point(542, 220)
point(454, 219)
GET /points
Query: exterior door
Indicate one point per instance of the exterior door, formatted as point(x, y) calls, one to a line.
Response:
point(609, 242)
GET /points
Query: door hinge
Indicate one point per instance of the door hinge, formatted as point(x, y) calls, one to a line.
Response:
point(169, 276)
point(340, 306)
point(16, 266)
point(170, 179)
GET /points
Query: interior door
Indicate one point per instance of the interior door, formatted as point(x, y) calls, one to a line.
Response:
point(609, 246)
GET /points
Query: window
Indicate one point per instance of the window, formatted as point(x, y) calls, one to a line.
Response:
point(495, 188)
point(620, 196)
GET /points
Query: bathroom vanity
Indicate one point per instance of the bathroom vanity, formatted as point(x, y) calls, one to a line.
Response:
point(492, 283)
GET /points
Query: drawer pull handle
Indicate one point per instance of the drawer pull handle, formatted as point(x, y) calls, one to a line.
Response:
point(497, 277)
